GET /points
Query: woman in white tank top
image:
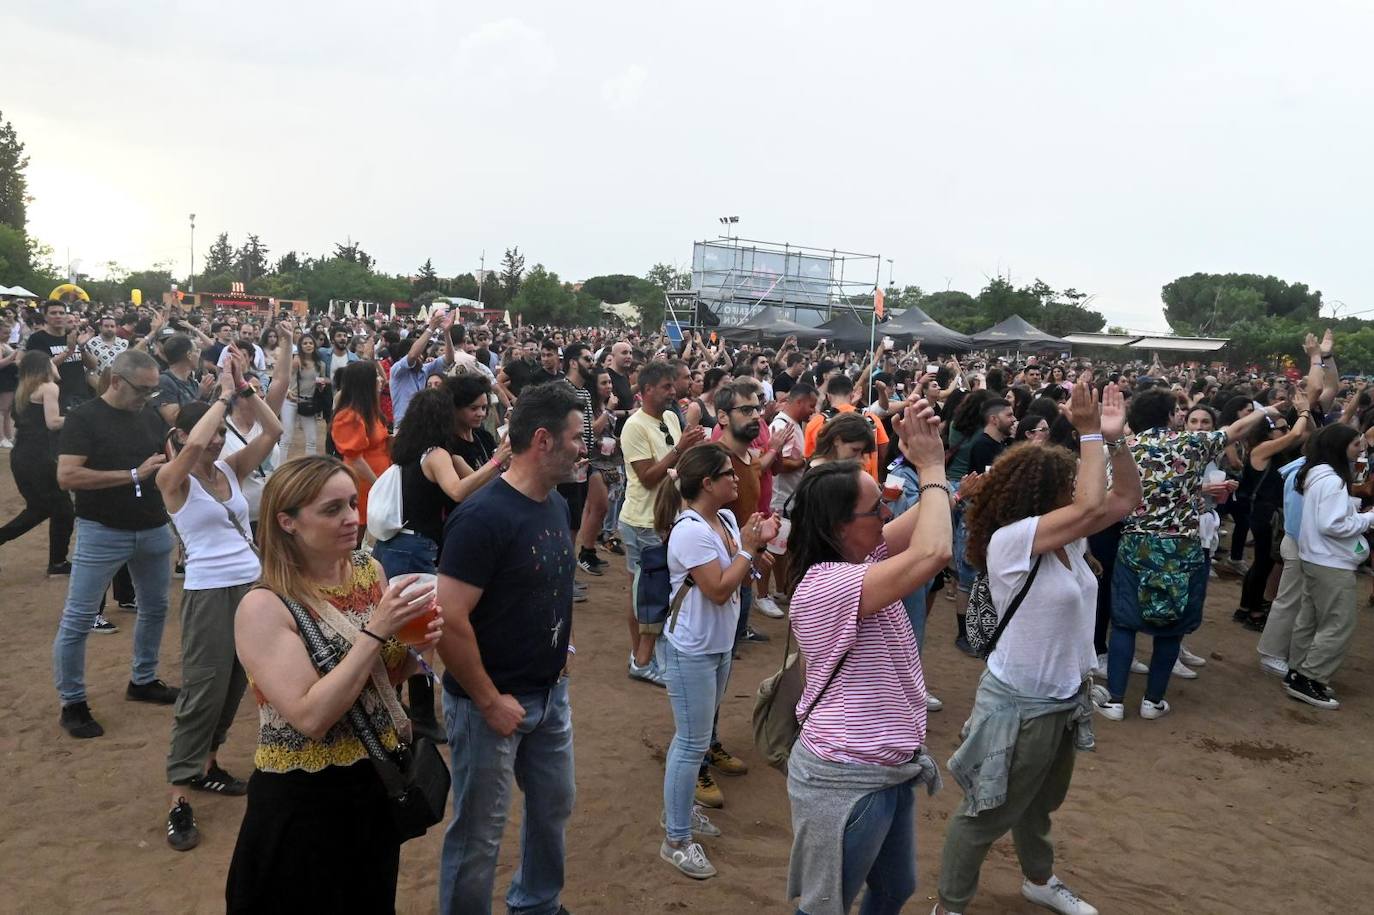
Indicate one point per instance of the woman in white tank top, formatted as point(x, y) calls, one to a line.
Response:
point(205, 498)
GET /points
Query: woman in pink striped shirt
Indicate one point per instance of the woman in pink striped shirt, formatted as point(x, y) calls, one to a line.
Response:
point(853, 770)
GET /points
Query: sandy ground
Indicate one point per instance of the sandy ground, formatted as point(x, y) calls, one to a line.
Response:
point(1241, 801)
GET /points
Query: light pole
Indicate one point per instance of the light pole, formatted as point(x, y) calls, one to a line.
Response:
point(729, 221)
point(191, 280)
point(889, 273)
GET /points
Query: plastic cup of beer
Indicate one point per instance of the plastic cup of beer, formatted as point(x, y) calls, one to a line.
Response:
point(607, 445)
point(778, 545)
point(892, 490)
point(414, 632)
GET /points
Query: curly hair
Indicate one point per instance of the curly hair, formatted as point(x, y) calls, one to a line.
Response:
point(1025, 481)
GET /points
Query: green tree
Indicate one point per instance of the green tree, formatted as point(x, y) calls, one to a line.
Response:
point(220, 258)
point(427, 280)
point(288, 263)
point(14, 187)
point(1210, 303)
point(252, 259)
point(544, 299)
point(512, 271)
point(353, 252)
point(954, 309)
point(669, 278)
point(14, 257)
point(615, 287)
point(463, 286)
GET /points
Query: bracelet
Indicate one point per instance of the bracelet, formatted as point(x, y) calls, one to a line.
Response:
point(571, 649)
point(225, 401)
point(138, 486)
point(924, 486)
point(380, 640)
point(1115, 444)
point(746, 554)
point(1090, 437)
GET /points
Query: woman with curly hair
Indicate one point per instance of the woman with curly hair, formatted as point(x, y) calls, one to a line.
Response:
point(1028, 520)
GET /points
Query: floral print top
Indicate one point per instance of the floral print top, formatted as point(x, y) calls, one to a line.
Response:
point(1171, 467)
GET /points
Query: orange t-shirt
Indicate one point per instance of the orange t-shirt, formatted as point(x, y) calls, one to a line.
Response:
point(355, 441)
point(870, 462)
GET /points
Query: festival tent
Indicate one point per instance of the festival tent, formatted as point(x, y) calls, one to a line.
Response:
point(1017, 333)
point(769, 325)
point(18, 292)
point(847, 332)
point(915, 324)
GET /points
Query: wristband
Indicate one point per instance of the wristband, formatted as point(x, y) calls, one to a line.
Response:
point(246, 390)
point(138, 486)
point(380, 640)
point(746, 554)
point(924, 486)
point(571, 649)
point(1090, 437)
point(1113, 445)
point(225, 401)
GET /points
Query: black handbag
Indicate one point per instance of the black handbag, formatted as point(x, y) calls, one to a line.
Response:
point(416, 777)
point(305, 406)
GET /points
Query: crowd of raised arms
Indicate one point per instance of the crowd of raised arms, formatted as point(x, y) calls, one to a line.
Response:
point(457, 489)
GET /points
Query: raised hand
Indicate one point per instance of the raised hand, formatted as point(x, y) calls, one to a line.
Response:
point(1084, 412)
point(918, 429)
point(1328, 343)
point(1309, 345)
point(1113, 413)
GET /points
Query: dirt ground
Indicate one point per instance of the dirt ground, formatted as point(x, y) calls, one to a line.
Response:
point(1240, 801)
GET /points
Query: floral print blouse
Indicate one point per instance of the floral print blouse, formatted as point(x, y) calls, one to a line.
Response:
point(1171, 467)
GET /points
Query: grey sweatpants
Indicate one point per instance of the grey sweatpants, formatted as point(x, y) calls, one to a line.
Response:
point(1326, 621)
point(1041, 769)
point(212, 680)
point(1278, 628)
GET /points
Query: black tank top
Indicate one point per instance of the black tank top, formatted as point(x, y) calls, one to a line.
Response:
point(424, 504)
point(33, 440)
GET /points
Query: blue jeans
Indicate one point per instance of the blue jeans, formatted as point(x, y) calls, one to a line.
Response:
point(1121, 652)
point(917, 605)
point(696, 683)
point(406, 554)
point(966, 572)
point(746, 600)
point(880, 850)
point(100, 551)
point(539, 757)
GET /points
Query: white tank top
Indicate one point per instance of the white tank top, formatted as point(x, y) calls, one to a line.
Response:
point(217, 554)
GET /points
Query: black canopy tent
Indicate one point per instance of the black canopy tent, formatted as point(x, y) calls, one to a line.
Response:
point(769, 325)
point(915, 324)
point(844, 331)
point(1018, 333)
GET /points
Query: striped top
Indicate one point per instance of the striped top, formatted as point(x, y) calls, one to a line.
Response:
point(874, 712)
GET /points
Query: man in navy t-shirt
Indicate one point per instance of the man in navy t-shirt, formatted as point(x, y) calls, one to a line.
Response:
point(506, 586)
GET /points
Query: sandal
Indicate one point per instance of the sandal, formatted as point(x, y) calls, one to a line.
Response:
point(613, 544)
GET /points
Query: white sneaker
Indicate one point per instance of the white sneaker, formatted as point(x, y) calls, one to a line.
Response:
point(701, 825)
point(1152, 710)
point(1192, 660)
point(1184, 671)
point(1100, 671)
point(1139, 667)
point(1276, 666)
point(769, 609)
point(649, 673)
point(1102, 702)
point(690, 859)
point(6, 443)
point(1055, 895)
point(933, 704)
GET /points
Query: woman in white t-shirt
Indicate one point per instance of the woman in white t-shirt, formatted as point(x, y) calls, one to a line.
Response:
point(705, 542)
point(1028, 519)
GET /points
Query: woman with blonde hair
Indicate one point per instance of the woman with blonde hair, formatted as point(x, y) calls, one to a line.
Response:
point(315, 802)
point(34, 461)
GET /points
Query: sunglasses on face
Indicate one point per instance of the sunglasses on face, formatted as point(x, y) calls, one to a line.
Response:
point(727, 472)
point(139, 389)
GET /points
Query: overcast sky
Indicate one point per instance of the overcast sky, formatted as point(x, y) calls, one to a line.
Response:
point(1107, 146)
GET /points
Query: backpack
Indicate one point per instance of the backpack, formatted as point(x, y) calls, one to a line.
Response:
point(385, 506)
point(982, 626)
point(776, 726)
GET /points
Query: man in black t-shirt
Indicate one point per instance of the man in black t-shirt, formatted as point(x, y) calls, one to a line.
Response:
point(548, 364)
point(108, 455)
point(992, 441)
point(622, 357)
point(62, 339)
point(506, 586)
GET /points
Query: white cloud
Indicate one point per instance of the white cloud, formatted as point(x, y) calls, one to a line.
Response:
point(625, 89)
point(508, 53)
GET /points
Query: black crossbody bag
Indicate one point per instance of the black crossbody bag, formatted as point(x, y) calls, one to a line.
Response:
point(415, 777)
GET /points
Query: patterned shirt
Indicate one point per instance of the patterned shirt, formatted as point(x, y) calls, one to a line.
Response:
point(1171, 468)
point(282, 748)
point(105, 353)
point(874, 710)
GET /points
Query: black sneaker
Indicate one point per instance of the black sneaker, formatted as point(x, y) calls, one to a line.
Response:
point(76, 720)
point(1315, 694)
point(103, 626)
point(60, 568)
point(962, 644)
point(128, 606)
point(182, 833)
point(588, 565)
point(751, 635)
point(179, 571)
point(217, 781)
point(156, 692)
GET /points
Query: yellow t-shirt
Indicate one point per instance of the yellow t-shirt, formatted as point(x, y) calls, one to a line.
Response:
point(643, 439)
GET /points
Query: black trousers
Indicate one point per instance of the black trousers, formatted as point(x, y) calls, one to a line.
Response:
point(1103, 546)
point(1262, 526)
point(44, 500)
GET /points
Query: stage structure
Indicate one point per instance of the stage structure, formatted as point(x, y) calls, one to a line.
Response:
point(733, 279)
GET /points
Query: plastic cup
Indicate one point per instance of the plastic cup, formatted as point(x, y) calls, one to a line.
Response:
point(892, 491)
point(1216, 477)
point(607, 445)
point(778, 545)
point(413, 632)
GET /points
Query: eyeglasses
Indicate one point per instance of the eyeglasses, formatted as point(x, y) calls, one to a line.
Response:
point(876, 512)
point(749, 409)
point(667, 436)
point(727, 472)
point(141, 390)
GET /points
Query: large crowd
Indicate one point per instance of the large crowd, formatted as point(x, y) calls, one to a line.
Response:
point(1075, 512)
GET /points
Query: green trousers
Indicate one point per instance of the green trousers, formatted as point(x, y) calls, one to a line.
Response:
point(1041, 769)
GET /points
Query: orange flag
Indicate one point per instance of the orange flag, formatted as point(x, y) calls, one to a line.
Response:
point(878, 303)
